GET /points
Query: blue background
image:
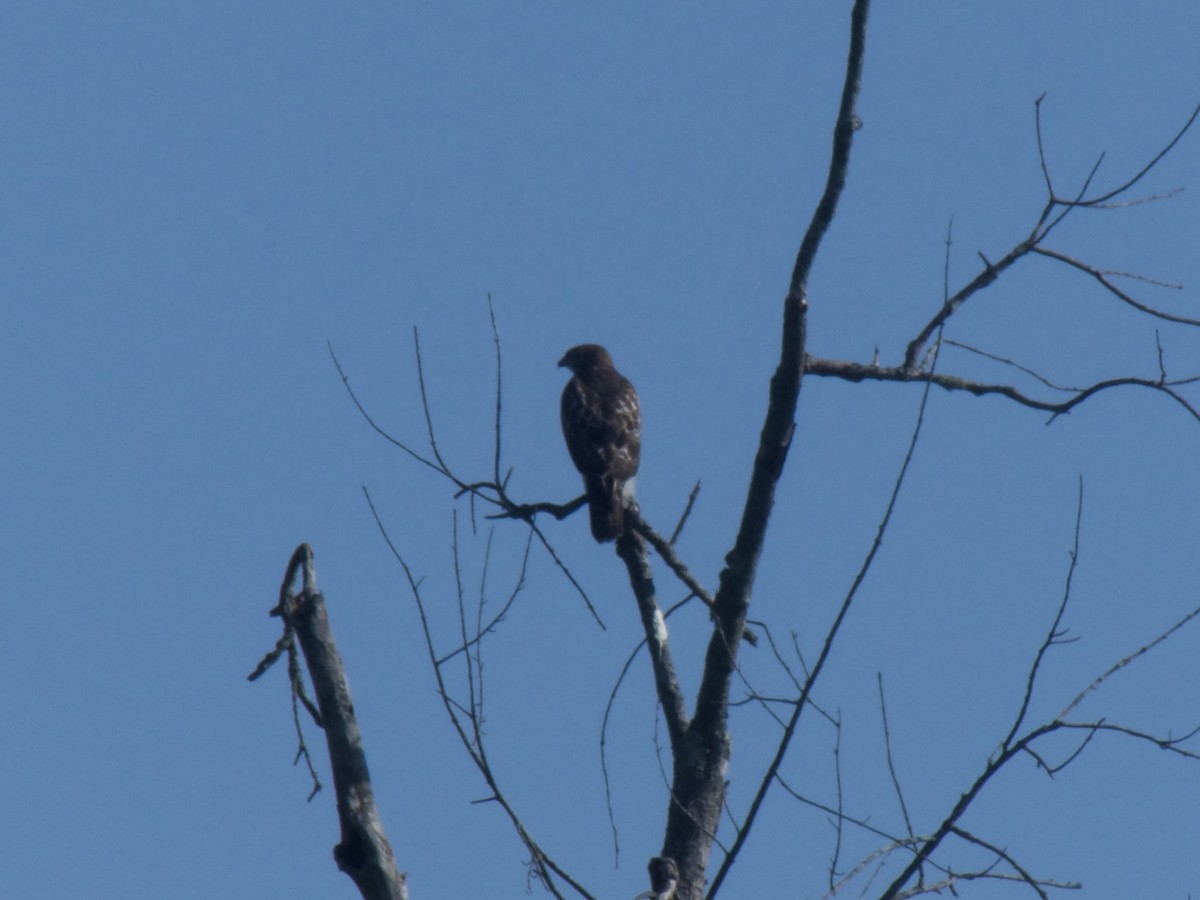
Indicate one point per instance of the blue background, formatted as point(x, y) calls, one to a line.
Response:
point(196, 197)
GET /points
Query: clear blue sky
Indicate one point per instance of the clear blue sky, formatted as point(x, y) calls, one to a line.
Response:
point(196, 197)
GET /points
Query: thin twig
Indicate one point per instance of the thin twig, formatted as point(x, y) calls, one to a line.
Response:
point(378, 429)
point(470, 736)
point(840, 818)
point(1012, 363)
point(1141, 173)
point(1054, 635)
point(1122, 663)
point(481, 629)
point(1103, 278)
point(499, 392)
point(687, 511)
point(1020, 870)
point(891, 763)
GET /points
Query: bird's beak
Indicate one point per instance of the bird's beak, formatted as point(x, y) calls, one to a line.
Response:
point(562, 362)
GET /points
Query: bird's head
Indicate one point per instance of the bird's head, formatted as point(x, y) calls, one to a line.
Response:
point(585, 358)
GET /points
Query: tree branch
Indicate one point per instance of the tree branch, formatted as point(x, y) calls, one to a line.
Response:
point(854, 372)
point(632, 550)
point(1053, 212)
point(364, 852)
point(789, 733)
point(700, 775)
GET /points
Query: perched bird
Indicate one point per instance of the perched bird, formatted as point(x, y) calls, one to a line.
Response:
point(602, 423)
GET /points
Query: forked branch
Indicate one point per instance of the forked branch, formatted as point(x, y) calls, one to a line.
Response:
point(1053, 212)
point(1021, 743)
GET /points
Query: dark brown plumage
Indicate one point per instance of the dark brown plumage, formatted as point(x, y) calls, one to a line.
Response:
point(602, 423)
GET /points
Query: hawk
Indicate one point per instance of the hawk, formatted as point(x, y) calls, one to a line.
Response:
point(602, 423)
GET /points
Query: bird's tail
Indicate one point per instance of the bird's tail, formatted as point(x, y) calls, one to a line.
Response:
point(606, 507)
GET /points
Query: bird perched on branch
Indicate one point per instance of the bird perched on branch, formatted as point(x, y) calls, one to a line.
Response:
point(602, 423)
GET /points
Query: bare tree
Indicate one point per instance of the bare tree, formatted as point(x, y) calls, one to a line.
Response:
point(698, 726)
